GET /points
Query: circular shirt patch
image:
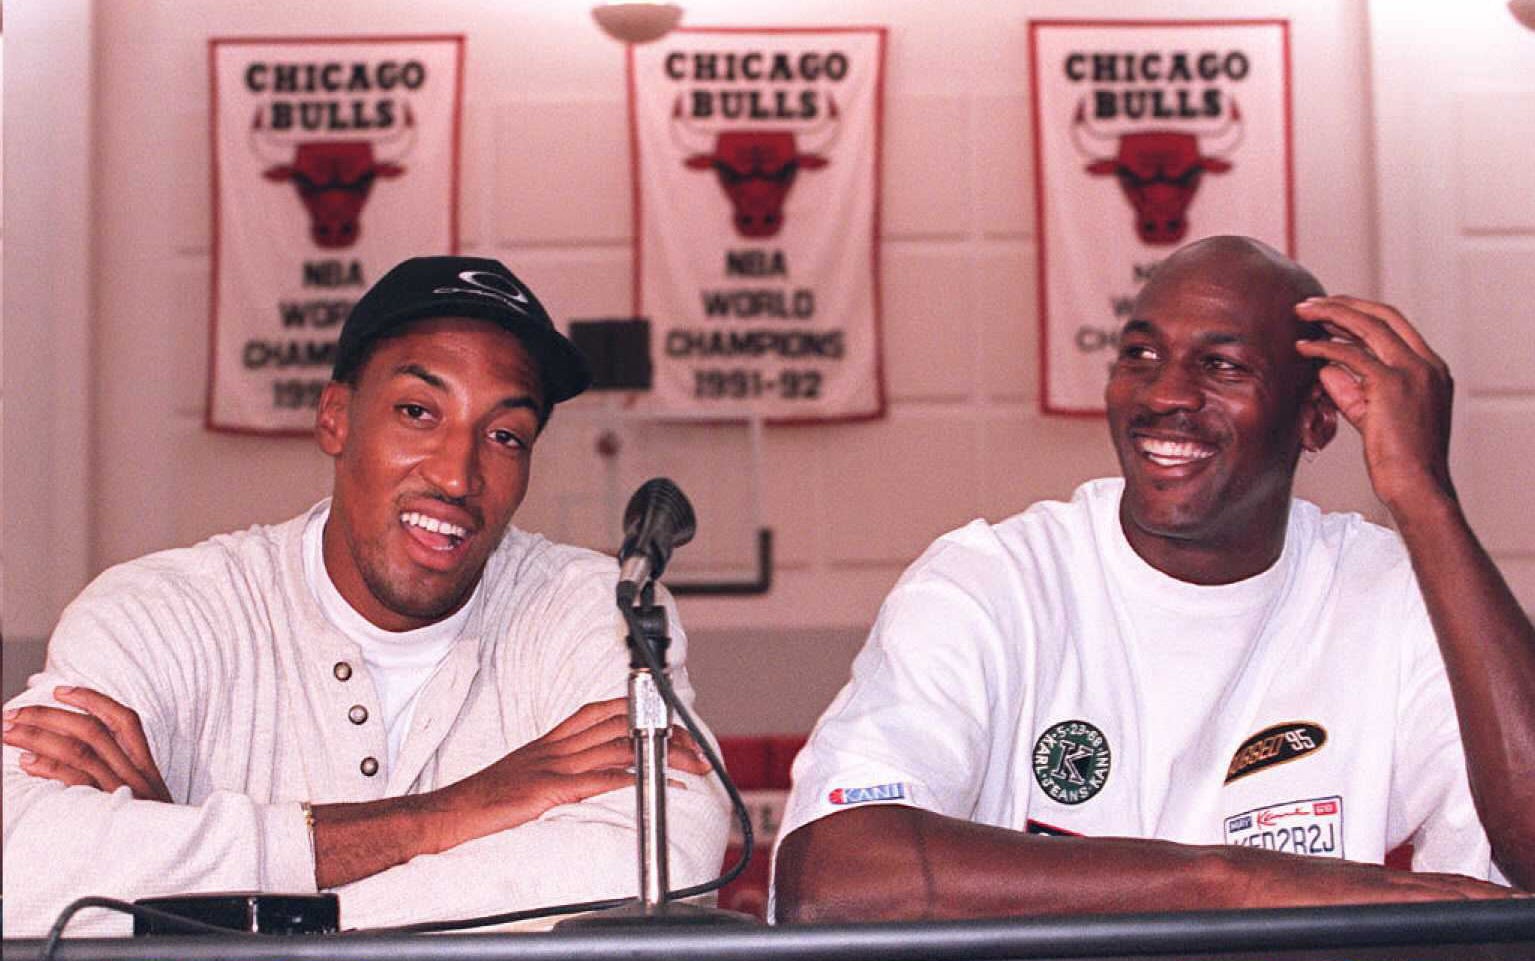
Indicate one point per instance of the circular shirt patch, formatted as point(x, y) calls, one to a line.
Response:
point(1071, 761)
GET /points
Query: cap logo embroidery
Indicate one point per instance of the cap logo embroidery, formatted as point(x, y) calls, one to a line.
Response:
point(483, 283)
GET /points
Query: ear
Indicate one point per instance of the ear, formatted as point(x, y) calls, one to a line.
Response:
point(331, 420)
point(1318, 418)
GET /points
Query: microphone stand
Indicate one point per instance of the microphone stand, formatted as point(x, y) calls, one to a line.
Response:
point(650, 724)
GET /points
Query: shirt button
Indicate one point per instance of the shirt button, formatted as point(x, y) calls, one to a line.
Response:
point(369, 766)
point(357, 714)
point(342, 670)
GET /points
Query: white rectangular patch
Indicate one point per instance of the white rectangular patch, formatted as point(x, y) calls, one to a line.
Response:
point(894, 791)
point(1312, 827)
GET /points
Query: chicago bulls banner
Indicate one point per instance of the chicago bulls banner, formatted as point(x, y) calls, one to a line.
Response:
point(757, 207)
point(1147, 135)
point(333, 160)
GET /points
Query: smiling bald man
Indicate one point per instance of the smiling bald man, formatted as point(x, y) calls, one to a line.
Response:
point(397, 696)
point(1184, 688)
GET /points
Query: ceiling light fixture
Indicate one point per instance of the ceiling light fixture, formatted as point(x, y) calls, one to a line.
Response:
point(628, 21)
point(1523, 11)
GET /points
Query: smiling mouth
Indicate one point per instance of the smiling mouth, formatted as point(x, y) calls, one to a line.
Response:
point(435, 534)
point(1173, 453)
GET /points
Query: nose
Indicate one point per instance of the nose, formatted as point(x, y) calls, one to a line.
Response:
point(452, 466)
point(1172, 387)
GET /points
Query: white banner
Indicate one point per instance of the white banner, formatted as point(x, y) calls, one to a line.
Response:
point(1147, 135)
point(757, 207)
point(333, 160)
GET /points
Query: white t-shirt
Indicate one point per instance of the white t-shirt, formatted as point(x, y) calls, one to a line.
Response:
point(399, 662)
point(1186, 644)
point(1038, 675)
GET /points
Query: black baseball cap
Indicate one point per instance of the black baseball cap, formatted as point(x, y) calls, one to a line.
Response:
point(425, 288)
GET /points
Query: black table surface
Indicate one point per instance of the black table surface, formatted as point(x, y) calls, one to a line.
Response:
point(1409, 932)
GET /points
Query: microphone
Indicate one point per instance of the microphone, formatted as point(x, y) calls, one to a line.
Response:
point(658, 520)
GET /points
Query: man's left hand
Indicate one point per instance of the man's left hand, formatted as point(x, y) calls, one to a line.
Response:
point(104, 747)
point(1388, 383)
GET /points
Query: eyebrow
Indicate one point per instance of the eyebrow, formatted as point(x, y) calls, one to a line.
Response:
point(416, 370)
point(512, 402)
point(1217, 337)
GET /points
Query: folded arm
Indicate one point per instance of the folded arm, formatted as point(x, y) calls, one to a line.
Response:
point(573, 853)
point(63, 842)
point(95, 819)
point(587, 754)
point(892, 862)
point(445, 853)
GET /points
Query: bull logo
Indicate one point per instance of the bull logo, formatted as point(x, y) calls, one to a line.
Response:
point(756, 168)
point(1158, 170)
point(334, 177)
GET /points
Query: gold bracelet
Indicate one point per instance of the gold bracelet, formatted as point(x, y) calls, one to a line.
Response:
point(308, 823)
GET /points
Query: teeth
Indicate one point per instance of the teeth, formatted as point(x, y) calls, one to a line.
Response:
point(417, 519)
point(1170, 453)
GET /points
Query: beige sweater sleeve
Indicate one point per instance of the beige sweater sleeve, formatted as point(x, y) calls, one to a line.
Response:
point(132, 636)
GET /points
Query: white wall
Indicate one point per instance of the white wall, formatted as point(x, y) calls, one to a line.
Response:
point(1455, 101)
point(2, 322)
point(546, 189)
point(49, 290)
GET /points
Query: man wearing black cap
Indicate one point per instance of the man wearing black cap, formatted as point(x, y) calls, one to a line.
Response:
point(396, 696)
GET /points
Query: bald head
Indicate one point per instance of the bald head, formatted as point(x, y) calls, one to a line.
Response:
point(1271, 283)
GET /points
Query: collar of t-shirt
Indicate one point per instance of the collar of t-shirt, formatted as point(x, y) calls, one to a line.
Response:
point(1190, 641)
point(1143, 584)
point(399, 662)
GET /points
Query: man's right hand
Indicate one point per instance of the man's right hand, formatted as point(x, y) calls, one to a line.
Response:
point(1264, 879)
point(102, 745)
point(888, 863)
point(587, 754)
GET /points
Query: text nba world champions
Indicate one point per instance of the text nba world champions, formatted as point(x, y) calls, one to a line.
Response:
point(757, 122)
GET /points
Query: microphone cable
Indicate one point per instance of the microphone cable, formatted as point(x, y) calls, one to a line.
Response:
point(192, 926)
